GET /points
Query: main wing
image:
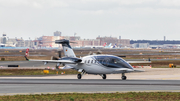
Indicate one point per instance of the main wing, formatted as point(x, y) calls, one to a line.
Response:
point(53, 61)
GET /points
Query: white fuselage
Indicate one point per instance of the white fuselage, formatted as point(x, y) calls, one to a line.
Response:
point(91, 65)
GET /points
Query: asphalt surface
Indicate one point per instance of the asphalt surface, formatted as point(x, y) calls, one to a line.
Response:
point(41, 64)
point(153, 79)
point(38, 86)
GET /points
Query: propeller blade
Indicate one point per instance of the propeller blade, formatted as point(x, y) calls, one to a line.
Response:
point(90, 53)
point(99, 52)
point(54, 58)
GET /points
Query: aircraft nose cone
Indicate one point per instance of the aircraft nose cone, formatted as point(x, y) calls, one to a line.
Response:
point(129, 66)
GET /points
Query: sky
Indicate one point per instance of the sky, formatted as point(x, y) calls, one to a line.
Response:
point(130, 19)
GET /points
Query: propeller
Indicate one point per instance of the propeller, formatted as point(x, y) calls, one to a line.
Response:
point(99, 52)
point(90, 53)
point(56, 58)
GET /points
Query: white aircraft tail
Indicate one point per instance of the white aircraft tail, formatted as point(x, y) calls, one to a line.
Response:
point(110, 45)
point(68, 52)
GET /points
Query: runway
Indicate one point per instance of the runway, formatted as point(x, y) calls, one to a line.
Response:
point(39, 86)
point(152, 80)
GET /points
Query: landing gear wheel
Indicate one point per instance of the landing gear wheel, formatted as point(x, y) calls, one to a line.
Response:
point(104, 76)
point(123, 77)
point(79, 76)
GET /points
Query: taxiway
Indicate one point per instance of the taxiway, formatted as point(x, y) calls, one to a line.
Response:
point(152, 80)
point(39, 86)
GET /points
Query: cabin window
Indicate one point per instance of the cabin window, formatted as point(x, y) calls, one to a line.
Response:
point(88, 61)
point(100, 61)
point(91, 61)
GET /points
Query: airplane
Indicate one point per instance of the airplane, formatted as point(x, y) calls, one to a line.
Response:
point(109, 46)
point(97, 47)
point(104, 44)
point(7, 45)
point(115, 46)
point(91, 64)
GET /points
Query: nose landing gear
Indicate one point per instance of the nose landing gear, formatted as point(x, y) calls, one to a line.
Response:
point(123, 76)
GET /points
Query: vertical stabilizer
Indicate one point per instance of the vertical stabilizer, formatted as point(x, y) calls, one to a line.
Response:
point(110, 44)
point(68, 52)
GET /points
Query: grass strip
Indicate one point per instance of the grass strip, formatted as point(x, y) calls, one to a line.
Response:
point(12, 72)
point(130, 96)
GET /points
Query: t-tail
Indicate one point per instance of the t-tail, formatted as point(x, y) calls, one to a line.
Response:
point(68, 52)
point(110, 45)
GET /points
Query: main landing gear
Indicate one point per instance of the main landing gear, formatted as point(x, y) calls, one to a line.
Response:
point(103, 76)
point(80, 75)
point(123, 76)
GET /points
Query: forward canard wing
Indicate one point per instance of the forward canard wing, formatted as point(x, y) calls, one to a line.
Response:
point(138, 61)
point(124, 69)
point(129, 70)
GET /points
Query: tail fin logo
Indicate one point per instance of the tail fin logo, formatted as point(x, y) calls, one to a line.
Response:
point(104, 44)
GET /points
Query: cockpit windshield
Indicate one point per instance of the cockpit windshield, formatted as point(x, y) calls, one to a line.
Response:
point(113, 62)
